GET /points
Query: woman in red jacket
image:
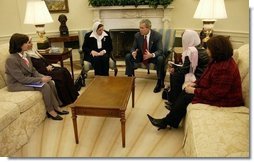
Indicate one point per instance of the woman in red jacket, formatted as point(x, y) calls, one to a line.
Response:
point(219, 85)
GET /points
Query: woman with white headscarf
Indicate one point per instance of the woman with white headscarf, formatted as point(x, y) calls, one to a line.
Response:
point(63, 81)
point(97, 47)
point(194, 57)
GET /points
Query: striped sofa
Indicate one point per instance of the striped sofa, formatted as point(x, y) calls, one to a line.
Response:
point(211, 131)
point(20, 112)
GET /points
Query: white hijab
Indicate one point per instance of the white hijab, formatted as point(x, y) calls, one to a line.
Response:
point(96, 36)
point(32, 52)
point(190, 39)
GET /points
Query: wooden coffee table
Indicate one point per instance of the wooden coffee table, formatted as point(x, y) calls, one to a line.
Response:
point(106, 97)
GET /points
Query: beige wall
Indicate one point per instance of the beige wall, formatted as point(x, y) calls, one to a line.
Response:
point(237, 11)
point(12, 14)
point(80, 17)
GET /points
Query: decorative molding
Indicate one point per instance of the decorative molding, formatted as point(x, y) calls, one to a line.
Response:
point(6, 38)
point(237, 38)
point(128, 16)
point(129, 7)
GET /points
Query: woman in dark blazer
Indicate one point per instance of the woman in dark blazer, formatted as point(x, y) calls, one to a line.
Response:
point(20, 73)
point(61, 76)
point(97, 47)
point(219, 85)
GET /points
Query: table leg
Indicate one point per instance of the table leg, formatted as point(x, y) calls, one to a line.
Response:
point(72, 66)
point(133, 92)
point(61, 62)
point(123, 127)
point(74, 120)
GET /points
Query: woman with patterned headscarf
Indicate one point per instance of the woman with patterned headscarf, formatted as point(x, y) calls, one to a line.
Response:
point(194, 58)
point(97, 47)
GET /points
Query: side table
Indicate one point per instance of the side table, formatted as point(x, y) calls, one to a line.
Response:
point(63, 54)
point(70, 41)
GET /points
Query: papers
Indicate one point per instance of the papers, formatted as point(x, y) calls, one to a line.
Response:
point(39, 84)
point(174, 64)
point(43, 51)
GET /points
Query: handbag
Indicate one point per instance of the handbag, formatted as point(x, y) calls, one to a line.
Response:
point(165, 93)
point(79, 82)
point(189, 78)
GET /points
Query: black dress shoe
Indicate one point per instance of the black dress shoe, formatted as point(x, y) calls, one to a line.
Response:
point(63, 105)
point(160, 123)
point(168, 107)
point(62, 113)
point(168, 103)
point(54, 117)
point(157, 88)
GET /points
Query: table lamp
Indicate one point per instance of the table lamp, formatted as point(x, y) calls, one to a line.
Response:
point(38, 14)
point(209, 11)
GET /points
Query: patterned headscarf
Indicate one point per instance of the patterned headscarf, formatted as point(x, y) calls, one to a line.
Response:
point(190, 39)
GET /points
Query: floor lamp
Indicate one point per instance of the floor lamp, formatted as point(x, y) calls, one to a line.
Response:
point(38, 14)
point(209, 11)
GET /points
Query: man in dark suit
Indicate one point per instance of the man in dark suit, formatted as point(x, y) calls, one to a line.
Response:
point(147, 48)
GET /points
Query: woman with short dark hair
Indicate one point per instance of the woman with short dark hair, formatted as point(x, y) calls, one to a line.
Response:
point(21, 75)
point(219, 85)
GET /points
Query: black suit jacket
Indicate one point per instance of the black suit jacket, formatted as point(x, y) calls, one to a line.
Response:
point(155, 44)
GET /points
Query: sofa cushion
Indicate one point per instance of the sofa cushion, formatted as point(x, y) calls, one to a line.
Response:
point(236, 55)
point(24, 99)
point(243, 65)
point(2, 82)
point(4, 53)
point(216, 132)
point(8, 113)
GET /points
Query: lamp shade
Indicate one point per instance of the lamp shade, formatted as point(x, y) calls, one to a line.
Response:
point(210, 10)
point(37, 13)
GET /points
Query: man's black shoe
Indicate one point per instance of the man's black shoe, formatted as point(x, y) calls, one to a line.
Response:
point(157, 88)
point(168, 107)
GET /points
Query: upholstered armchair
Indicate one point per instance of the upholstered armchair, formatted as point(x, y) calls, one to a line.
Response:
point(86, 66)
point(168, 38)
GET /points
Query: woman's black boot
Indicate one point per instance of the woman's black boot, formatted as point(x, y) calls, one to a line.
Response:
point(160, 123)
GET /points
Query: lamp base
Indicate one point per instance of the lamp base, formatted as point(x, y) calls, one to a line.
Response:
point(43, 45)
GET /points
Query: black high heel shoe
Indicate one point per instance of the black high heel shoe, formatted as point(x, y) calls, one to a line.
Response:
point(54, 117)
point(62, 113)
point(160, 123)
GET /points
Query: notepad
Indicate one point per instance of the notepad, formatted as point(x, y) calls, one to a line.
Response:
point(39, 84)
point(174, 64)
